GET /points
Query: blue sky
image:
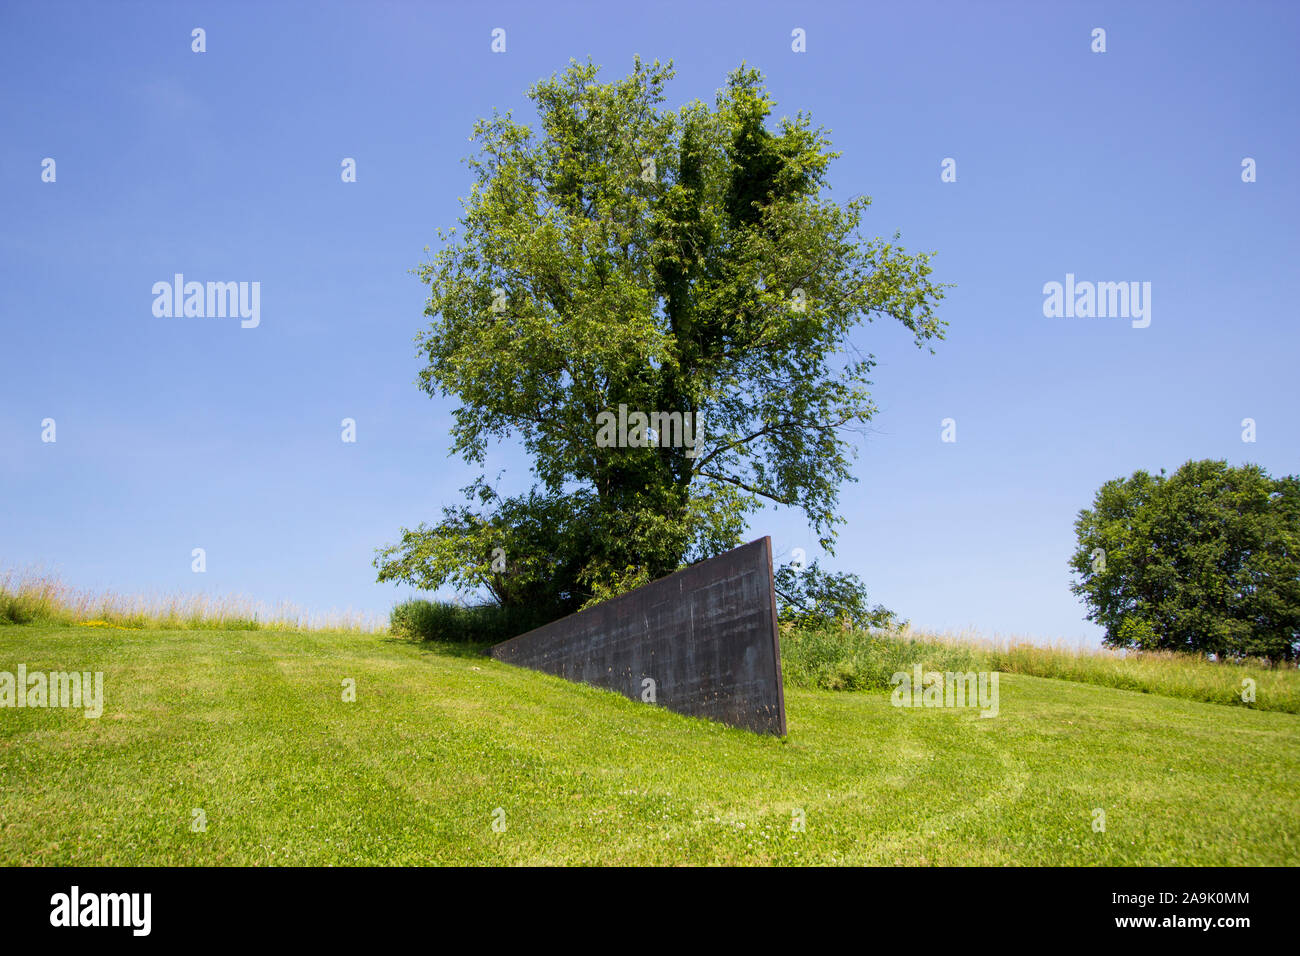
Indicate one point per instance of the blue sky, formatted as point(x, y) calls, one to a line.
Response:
point(176, 433)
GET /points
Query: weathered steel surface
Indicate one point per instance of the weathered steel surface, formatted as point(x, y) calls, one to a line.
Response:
point(706, 636)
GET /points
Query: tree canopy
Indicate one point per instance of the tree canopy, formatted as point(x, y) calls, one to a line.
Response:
point(1205, 560)
point(685, 261)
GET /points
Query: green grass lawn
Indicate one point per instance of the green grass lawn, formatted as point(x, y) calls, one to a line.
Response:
point(250, 727)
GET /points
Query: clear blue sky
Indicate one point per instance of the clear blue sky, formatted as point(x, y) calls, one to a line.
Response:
point(176, 433)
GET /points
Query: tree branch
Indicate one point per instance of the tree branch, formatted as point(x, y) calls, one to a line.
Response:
point(750, 488)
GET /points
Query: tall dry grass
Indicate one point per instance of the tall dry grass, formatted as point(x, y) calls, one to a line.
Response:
point(36, 597)
point(853, 660)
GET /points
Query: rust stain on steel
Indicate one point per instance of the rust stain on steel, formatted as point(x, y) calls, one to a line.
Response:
point(706, 635)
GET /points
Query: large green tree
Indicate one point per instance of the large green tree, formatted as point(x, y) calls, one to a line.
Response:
point(1205, 560)
point(688, 260)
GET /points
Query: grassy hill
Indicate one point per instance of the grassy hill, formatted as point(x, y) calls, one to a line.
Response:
point(250, 727)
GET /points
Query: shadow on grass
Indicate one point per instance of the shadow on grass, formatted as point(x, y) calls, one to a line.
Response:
point(476, 649)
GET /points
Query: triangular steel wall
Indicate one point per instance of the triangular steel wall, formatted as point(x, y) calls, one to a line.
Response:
point(706, 636)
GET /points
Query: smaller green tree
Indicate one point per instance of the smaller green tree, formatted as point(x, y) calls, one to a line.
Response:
point(1205, 560)
point(812, 599)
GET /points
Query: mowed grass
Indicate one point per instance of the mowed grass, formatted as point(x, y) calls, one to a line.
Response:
point(250, 727)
